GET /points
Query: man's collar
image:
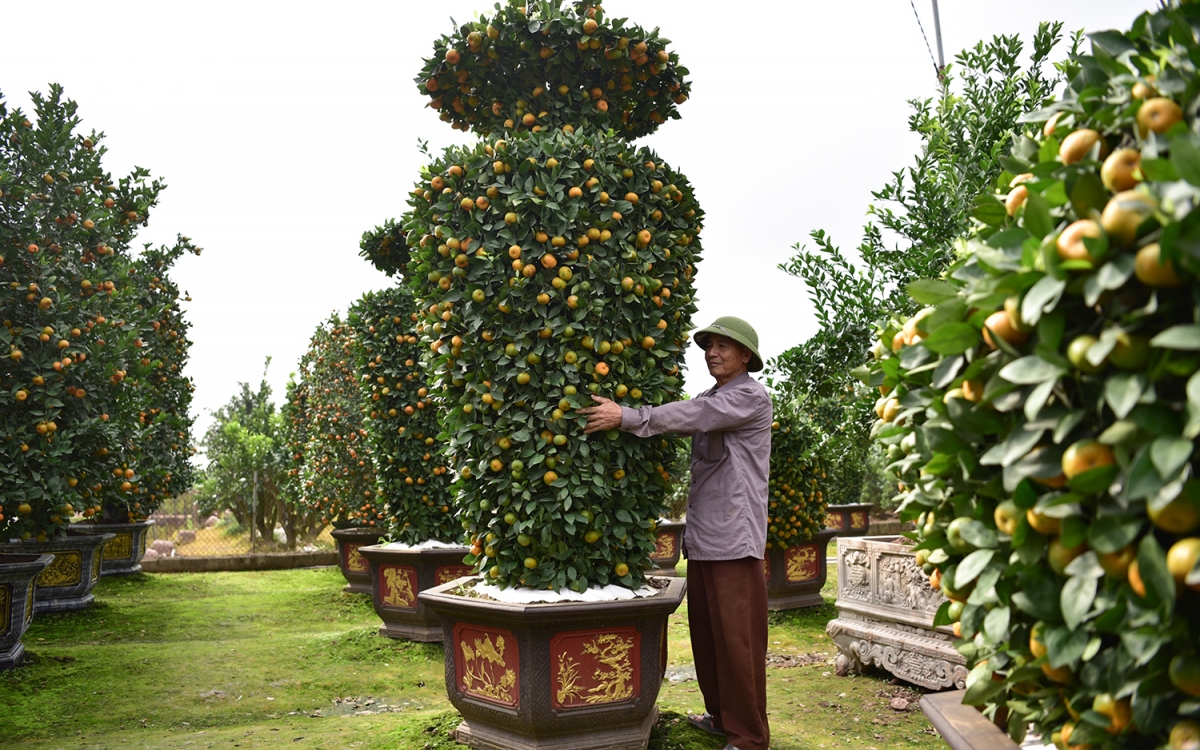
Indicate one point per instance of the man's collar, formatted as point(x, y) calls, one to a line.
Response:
point(737, 380)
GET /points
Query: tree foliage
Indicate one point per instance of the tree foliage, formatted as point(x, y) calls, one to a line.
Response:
point(920, 213)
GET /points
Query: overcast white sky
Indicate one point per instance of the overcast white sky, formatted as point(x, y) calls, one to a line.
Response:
point(285, 130)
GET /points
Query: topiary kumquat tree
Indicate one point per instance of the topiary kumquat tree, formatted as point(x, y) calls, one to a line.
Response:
point(337, 477)
point(71, 320)
point(1045, 408)
point(551, 261)
point(796, 510)
point(401, 420)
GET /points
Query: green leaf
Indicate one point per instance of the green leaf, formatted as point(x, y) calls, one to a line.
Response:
point(1042, 296)
point(1088, 194)
point(1093, 481)
point(1185, 157)
point(1076, 599)
point(995, 625)
point(1038, 397)
point(1159, 170)
point(952, 338)
point(971, 566)
point(978, 535)
point(1037, 216)
point(1169, 455)
point(1064, 646)
point(1142, 643)
point(1142, 479)
point(1180, 337)
point(989, 210)
point(1109, 534)
point(931, 291)
point(979, 693)
point(1123, 390)
point(1152, 566)
point(1030, 369)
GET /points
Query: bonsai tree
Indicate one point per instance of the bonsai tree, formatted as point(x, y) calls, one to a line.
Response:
point(550, 261)
point(336, 475)
point(72, 320)
point(1046, 403)
point(401, 421)
point(797, 505)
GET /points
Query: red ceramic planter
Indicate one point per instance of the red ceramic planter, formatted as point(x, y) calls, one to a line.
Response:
point(796, 575)
point(354, 566)
point(848, 520)
point(668, 544)
point(399, 575)
point(564, 676)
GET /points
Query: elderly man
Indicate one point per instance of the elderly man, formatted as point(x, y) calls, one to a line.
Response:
point(730, 427)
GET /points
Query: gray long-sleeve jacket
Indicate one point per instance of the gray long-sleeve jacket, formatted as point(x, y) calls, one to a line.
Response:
point(731, 464)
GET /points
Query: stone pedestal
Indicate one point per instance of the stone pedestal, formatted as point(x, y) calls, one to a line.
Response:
point(668, 544)
point(354, 566)
point(122, 555)
point(566, 676)
point(848, 520)
point(885, 616)
point(796, 575)
point(399, 575)
point(18, 577)
point(66, 584)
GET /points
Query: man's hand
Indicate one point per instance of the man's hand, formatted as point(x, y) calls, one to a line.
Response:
point(606, 415)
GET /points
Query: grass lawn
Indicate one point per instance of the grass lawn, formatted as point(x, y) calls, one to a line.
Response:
point(284, 659)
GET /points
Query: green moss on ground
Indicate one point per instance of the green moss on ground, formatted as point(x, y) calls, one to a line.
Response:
point(284, 658)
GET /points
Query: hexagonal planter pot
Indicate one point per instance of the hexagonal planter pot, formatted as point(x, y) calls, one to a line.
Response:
point(66, 584)
point(668, 544)
point(563, 676)
point(398, 575)
point(885, 616)
point(848, 520)
point(122, 555)
point(18, 576)
point(796, 575)
point(354, 566)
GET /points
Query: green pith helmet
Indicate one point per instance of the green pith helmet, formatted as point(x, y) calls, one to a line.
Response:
point(738, 330)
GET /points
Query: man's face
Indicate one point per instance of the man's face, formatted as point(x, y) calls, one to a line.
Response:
point(725, 357)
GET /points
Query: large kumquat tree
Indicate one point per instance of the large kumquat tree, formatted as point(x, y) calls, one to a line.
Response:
point(77, 396)
point(1046, 405)
point(553, 260)
point(335, 473)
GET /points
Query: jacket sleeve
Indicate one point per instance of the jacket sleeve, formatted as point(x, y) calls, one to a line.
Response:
point(722, 411)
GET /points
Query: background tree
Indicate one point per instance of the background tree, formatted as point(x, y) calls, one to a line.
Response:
point(911, 233)
point(246, 437)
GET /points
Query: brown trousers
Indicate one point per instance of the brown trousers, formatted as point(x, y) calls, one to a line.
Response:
point(727, 615)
